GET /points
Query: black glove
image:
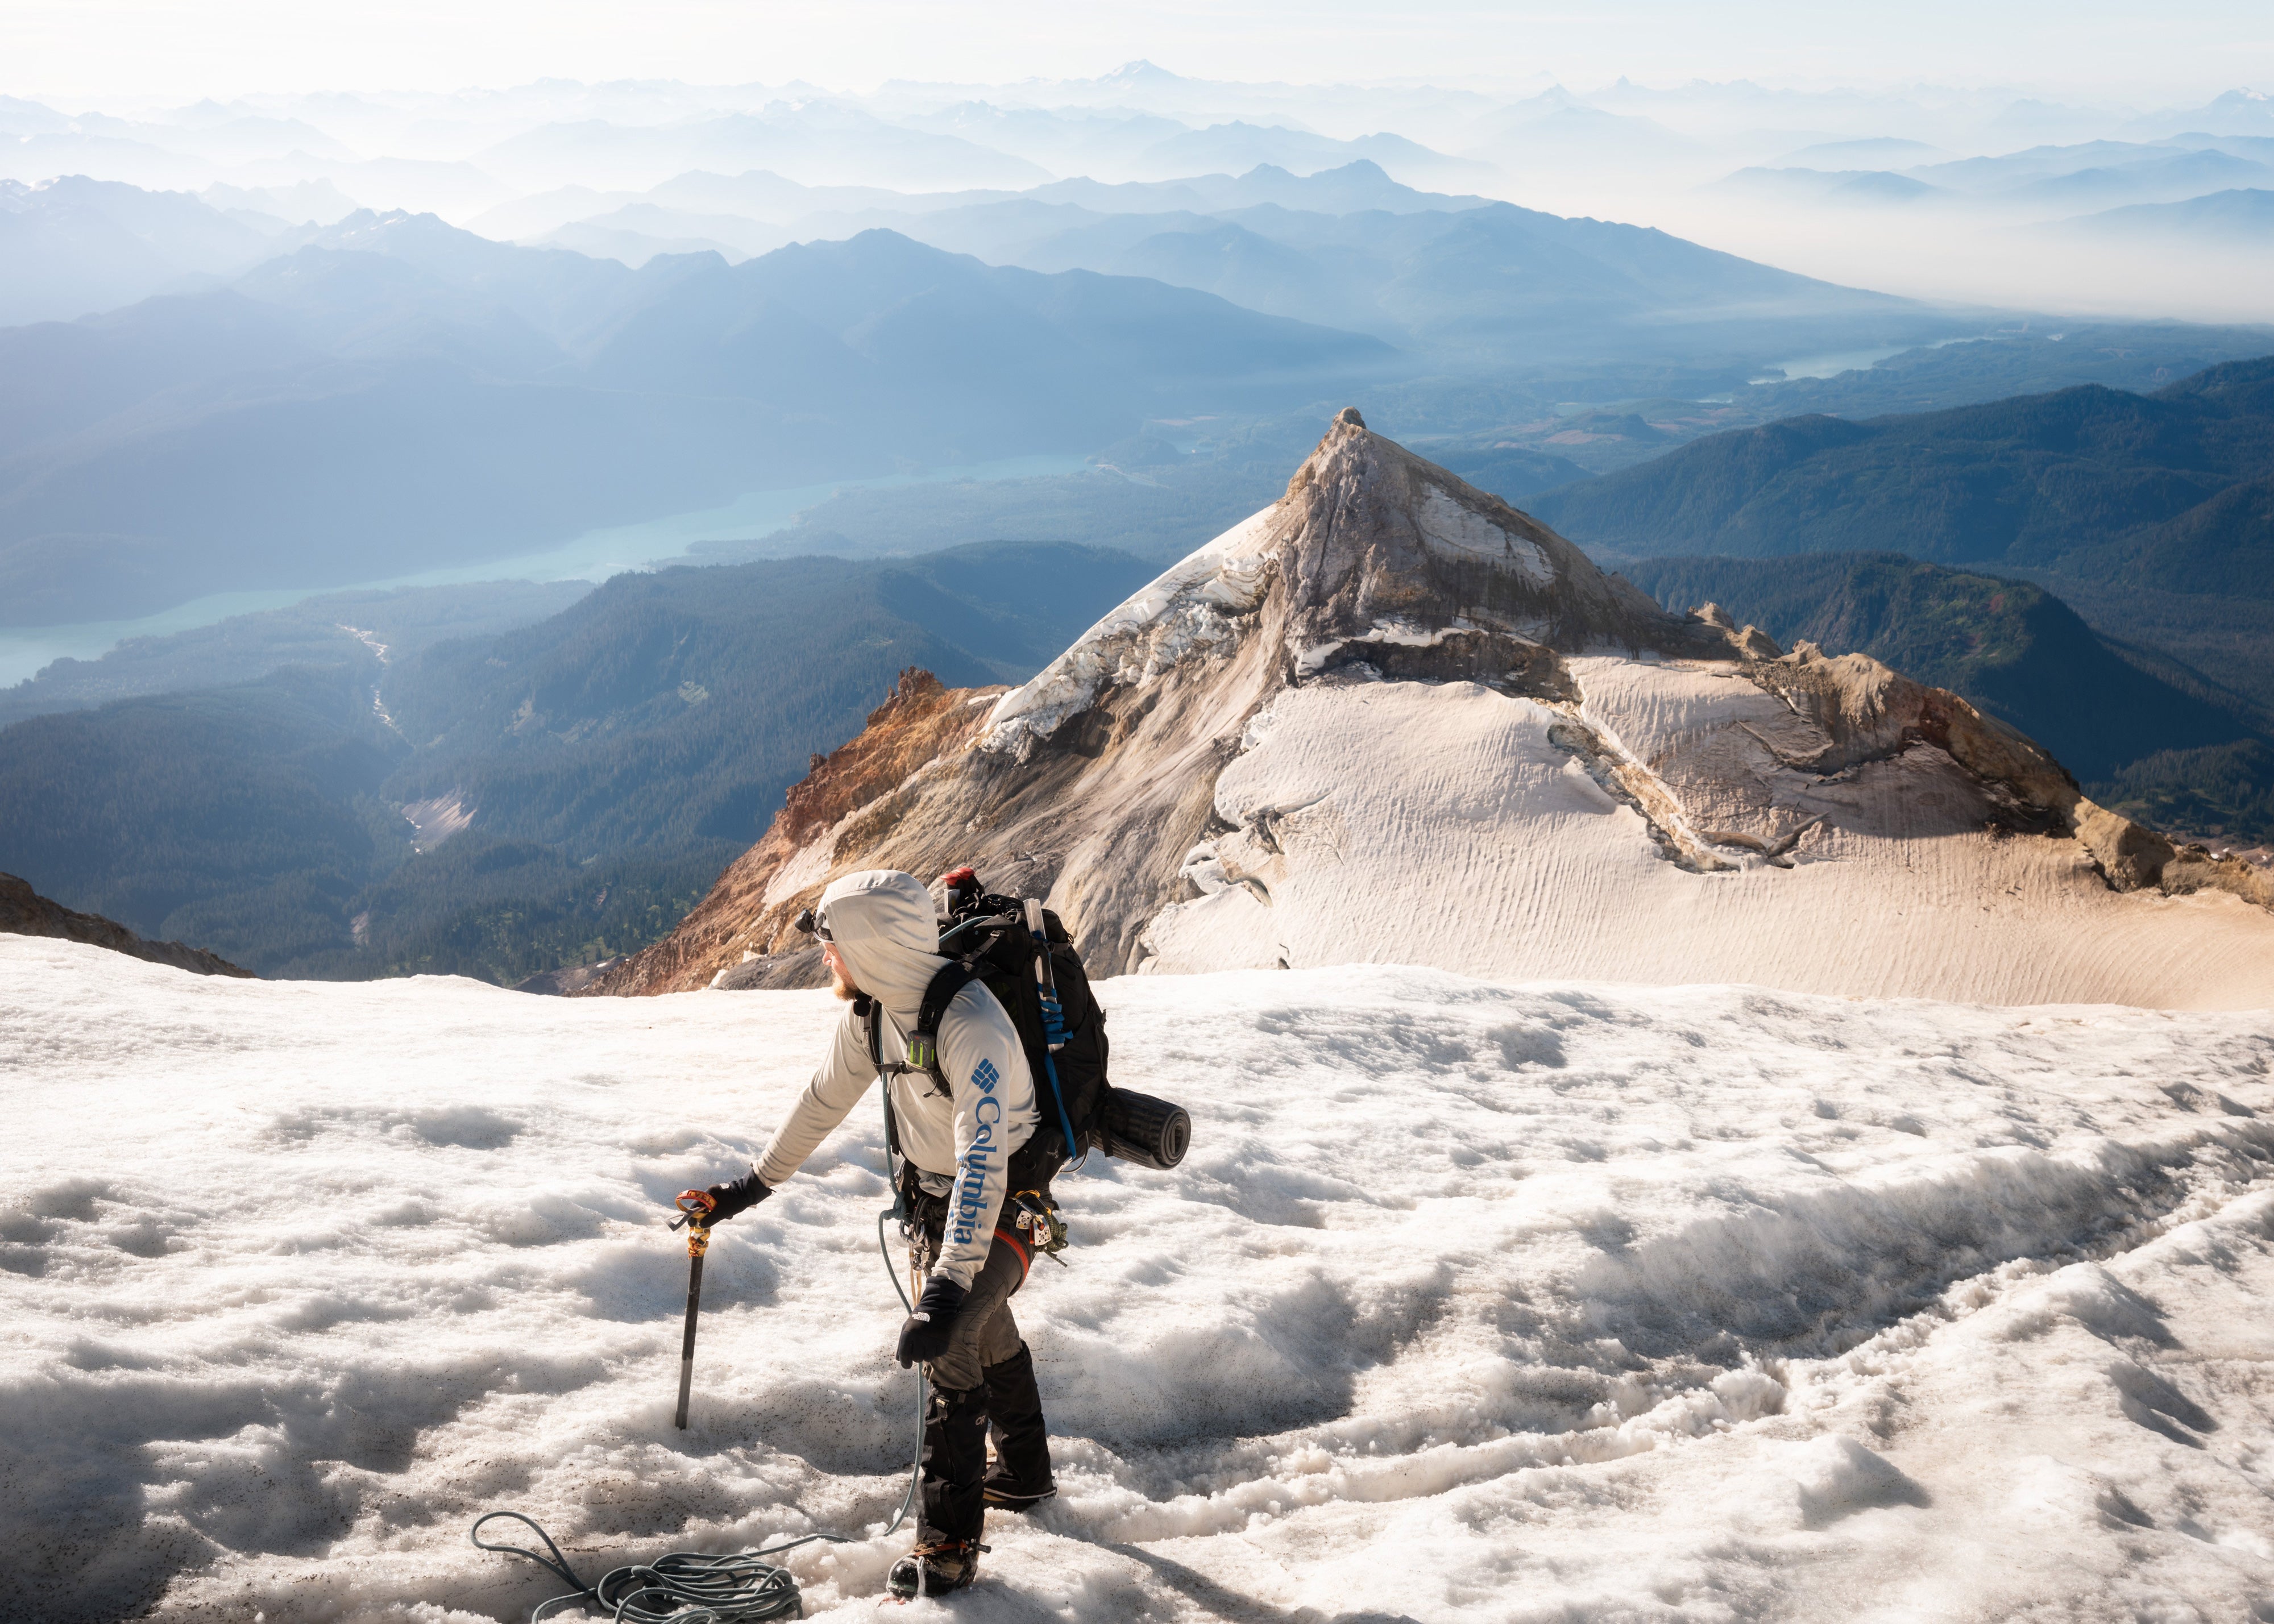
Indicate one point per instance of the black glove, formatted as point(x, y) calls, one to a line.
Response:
point(724, 1200)
point(924, 1334)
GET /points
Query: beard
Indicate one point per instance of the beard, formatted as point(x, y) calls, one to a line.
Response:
point(845, 991)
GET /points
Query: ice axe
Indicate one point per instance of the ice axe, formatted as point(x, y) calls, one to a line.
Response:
point(693, 1206)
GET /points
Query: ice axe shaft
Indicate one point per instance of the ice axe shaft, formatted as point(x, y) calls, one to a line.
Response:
point(687, 1341)
point(698, 1241)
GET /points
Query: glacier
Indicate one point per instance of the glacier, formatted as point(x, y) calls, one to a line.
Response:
point(1473, 1301)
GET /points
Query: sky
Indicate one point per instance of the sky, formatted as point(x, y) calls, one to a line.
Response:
point(87, 49)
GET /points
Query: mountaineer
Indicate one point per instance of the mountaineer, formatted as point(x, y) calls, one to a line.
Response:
point(952, 1149)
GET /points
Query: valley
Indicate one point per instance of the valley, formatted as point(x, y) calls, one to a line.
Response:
point(615, 756)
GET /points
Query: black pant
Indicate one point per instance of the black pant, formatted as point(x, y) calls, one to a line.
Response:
point(984, 1382)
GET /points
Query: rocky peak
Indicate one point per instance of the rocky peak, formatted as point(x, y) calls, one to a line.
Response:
point(1389, 696)
point(1374, 558)
point(1372, 540)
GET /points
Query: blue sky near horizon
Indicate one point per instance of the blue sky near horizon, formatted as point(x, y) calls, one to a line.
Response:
point(87, 50)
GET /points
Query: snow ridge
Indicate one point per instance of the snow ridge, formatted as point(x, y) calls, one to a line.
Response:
point(1185, 609)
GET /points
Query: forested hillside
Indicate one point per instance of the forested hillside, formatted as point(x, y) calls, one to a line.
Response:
point(2167, 491)
point(598, 768)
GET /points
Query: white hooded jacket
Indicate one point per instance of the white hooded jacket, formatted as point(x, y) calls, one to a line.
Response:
point(885, 926)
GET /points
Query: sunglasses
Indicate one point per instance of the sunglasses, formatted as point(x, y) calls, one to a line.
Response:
point(812, 925)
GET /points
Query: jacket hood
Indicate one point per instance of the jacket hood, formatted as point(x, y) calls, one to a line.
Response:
point(885, 928)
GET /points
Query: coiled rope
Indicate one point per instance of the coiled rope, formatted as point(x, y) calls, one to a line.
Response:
point(692, 1587)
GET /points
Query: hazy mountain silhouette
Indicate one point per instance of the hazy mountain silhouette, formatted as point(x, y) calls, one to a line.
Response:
point(1459, 278)
point(1346, 189)
point(75, 245)
point(830, 141)
point(2239, 216)
point(400, 394)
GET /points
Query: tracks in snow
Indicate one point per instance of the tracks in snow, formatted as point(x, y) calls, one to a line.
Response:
point(2054, 1212)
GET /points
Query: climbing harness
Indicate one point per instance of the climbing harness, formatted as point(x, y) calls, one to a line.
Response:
point(1037, 1218)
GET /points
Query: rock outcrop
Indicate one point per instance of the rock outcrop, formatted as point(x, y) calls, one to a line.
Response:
point(1391, 717)
point(25, 913)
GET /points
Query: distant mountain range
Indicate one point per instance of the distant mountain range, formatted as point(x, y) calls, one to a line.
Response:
point(1492, 285)
point(2243, 217)
point(79, 245)
point(1459, 279)
point(1972, 161)
point(831, 144)
point(2042, 183)
point(394, 393)
point(626, 140)
point(836, 144)
point(398, 394)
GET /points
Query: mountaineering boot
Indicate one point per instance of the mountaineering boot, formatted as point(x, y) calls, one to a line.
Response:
point(954, 1463)
point(934, 1568)
point(1007, 1493)
point(1020, 1479)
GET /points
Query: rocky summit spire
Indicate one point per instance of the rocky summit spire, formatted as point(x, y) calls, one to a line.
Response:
point(1373, 560)
point(1391, 717)
point(1371, 537)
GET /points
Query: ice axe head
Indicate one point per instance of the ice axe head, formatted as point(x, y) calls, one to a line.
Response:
point(694, 1208)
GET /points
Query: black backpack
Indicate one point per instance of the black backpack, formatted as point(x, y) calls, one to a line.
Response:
point(987, 938)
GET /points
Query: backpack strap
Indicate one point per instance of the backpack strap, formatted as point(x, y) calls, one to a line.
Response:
point(923, 1043)
point(867, 1011)
point(870, 1015)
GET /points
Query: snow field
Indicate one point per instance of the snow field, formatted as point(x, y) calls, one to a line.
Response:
point(1350, 799)
point(1473, 1302)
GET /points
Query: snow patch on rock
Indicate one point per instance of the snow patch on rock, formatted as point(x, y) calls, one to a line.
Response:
point(434, 821)
point(808, 866)
point(1180, 611)
point(1310, 659)
point(1457, 528)
point(1453, 824)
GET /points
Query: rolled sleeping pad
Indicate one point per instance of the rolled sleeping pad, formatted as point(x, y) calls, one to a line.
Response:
point(1141, 1129)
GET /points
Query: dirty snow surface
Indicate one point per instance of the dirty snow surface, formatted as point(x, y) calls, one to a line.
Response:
point(1473, 1302)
